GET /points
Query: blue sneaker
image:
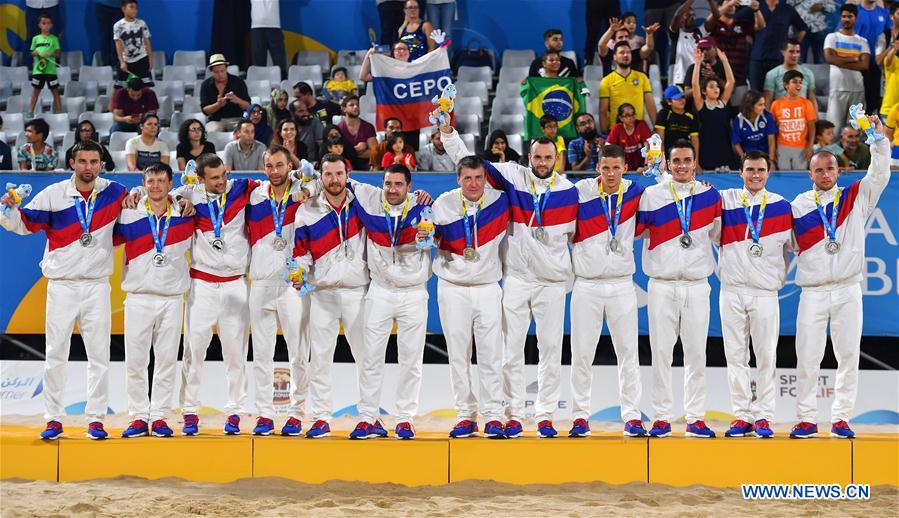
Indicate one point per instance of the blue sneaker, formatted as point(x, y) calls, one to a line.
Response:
point(378, 429)
point(53, 431)
point(363, 431)
point(699, 429)
point(138, 428)
point(512, 429)
point(804, 430)
point(404, 431)
point(660, 429)
point(545, 429)
point(739, 428)
point(319, 429)
point(160, 428)
point(264, 426)
point(579, 428)
point(232, 425)
point(292, 427)
point(191, 425)
point(96, 432)
point(763, 429)
point(634, 428)
point(494, 430)
point(464, 428)
point(841, 430)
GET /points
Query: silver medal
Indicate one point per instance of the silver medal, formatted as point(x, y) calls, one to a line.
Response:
point(831, 247)
point(614, 245)
point(686, 241)
point(158, 259)
point(755, 250)
point(539, 233)
point(279, 243)
point(86, 239)
point(218, 244)
point(469, 254)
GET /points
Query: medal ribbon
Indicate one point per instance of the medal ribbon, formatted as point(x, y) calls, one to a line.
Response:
point(278, 210)
point(829, 226)
point(540, 205)
point(218, 215)
point(755, 229)
point(343, 219)
point(607, 207)
point(85, 221)
point(685, 208)
point(465, 221)
point(395, 224)
point(159, 241)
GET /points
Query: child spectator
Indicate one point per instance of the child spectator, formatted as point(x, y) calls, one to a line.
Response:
point(339, 86)
point(132, 45)
point(36, 154)
point(674, 122)
point(795, 118)
point(550, 128)
point(191, 142)
point(631, 135)
point(714, 119)
point(496, 149)
point(396, 153)
point(45, 49)
point(754, 128)
point(824, 141)
point(335, 145)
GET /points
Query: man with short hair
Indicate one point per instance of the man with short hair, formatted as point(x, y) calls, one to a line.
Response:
point(322, 109)
point(552, 40)
point(624, 85)
point(310, 130)
point(856, 151)
point(585, 150)
point(774, 88)
point(829, 224)
point(245, 153)
point(679, 219)
point(359, 133)
point(732, 26)
point(781, 19)
point(433, 157)
point(391, 125)
point(848, 55)
point(129, 105)
point(223, 96)
point(753, 258)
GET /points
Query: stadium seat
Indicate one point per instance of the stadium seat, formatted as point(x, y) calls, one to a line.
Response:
point(101, 74)
point(473, 89)
point(509, 90)
point(13, 123)
point(166, 107)
point(170, 137)
point(469, 124)
point(195, 58)
point(101, 105)
point(271, 74)
point(183, 73)
point(510, 124)
point(102, 121)
point(512, 74)
point(260, 88)
point(86, 89)
point(15, 75)
point(367, 103)
point(171, 89)
point(191, 104)
point(822, 77)
point(97, 59)
point(369, 117)
point(118, 140)
point(469, 106)
point(593, 73)
point(73, 59)
point(64, 76)
point(118, 157)
point(347, 58)
point(58, 122)
point(470, 142)
point(314, 57)
point(179, 117)
point(508, 106)
point(471, 74)
point(517, 58)
point(515, 142)
point(159, 63)
point(306, 73)
point(17, 104)
point(5, 91)
point(68, 140)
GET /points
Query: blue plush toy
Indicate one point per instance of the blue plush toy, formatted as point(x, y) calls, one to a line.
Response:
point(859, 120)
point(307, 171)
point(296, 273)
point(17, 193)
point(653, 149)
point(425, 223)
point(445, 103)
point(189, 176)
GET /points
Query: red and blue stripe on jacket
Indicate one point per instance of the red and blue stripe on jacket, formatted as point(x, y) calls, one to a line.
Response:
point(809, 228)
point(591, 218)
point(63, 226)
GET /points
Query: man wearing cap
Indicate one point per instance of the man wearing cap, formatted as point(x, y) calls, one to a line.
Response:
point(674, 122)
point(711, 66)
point(224, 97)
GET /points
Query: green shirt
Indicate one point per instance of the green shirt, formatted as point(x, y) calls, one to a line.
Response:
point(46, 46)
point(861, 158)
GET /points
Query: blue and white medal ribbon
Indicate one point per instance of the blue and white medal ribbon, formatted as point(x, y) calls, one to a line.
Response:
point(159, 241)
point(470, 253)
point(540, 206)
point(830, 227)
point(278, 212)
point(614, 244)
point(85, 221)
point(755, 229)
point(684, 211)
point(218, 216)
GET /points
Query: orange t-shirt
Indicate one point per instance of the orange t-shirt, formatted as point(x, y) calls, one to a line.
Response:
point(793, 119)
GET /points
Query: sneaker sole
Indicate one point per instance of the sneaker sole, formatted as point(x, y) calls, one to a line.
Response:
point(747, 434)
point(495, 435)
point(142, 434)
point(838, 436)
point(698, 435)
point(291, 434)
point(467, 435)
point(660, 435)
point(631, 434)
point(363, 437)
point(757, 436)
point(91, 437)
point(583, 434)
point(513, 436)
point(157, 434)
point(809, 436)
point(404, 438)
point(542, 436)
point(264, 433)
point(320, 436)
point(55, 437)
point(230, 433)
point(189, 434)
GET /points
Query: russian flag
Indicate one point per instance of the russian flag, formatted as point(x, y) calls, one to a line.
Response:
point(404, 90)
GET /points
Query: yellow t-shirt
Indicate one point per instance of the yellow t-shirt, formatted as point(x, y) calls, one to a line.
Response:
point(893, 120)
point(891, 88)
point(560, 150)
point(620, 89)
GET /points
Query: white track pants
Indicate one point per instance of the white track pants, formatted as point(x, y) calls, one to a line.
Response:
point(842, 305)
point(744, 315)
point(521, 299)
point(151, 321)
point(271, 307)
point(617, 302)
point(678, 309)
point(477, 309)
point(330, 308)
point(409, 309)
point(85, 303)
point(209, 304)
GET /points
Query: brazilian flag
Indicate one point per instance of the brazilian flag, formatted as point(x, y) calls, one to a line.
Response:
point(557, 96)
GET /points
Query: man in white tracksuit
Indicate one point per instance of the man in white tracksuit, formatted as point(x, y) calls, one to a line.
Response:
point(753, 258)
point(679, 218)
point(470, 224)
point(155, 278)
point(398, 293)
point(603, 257)
point(829, 228)
point(537, 266)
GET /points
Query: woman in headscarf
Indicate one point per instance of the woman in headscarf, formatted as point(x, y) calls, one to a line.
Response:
point(87, 131)
point(277, 109)
point(497, 149)
point(256, 115)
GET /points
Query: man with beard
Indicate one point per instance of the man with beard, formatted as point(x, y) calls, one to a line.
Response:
point(359, 133)
point(849, 56)
point(537, 266)
point(552, 39)
point(624, 85)
point(584, 151)
point(310, 130)
point(858, 153)
point(321, 109)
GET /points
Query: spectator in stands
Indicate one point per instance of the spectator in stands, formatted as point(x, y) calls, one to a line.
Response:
point(415, 31)
point(813, 14)
point(130, 104)
point(245, 153)
point(391, 125)
point(146, 148)
point(550, 128)
point(585, 150)
point(45, 48)
point(848, 55)
point(857, 152)
point(779, 17)
point(132, 46)
point(795, 118)
point(624, 30)
point(256, 115)
point(333, 132)
point(107, 13)
point(223, 96)
point(872, 21)
point(286, 135)
point(890, 66)
point(892, 121)
point(391, 14)
point(398, 152)
point(662, 12)
point(311, 130)
point(711, 66)
point(440, 14)
point(323, 109)
point(265, 34)
point(674, 122)
point(624, 85)
point(552, 40)
point(276, 111)
point(87, 131)
point(339, 86)
point(551, 64)
point(335, 144)
point(824, 141)
point(358, 133)
point(433, 157)
point(36, 154)
point(5, 153)
point(399, 51)
point(754, 128)
point(599, 12)
point(34, 9)
point(684, 32)
point(732, 26)
point(714, 119)
point(774, 88)
point(630, 134)
point(191, 142)
point(496, 149)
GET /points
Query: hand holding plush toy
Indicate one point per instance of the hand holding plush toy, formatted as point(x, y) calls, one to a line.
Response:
point(189, 176)
point(17, 194)
point(425, 224)
point(859, 120)
point(653, 150)
point(296, 274)
point(445, 103)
